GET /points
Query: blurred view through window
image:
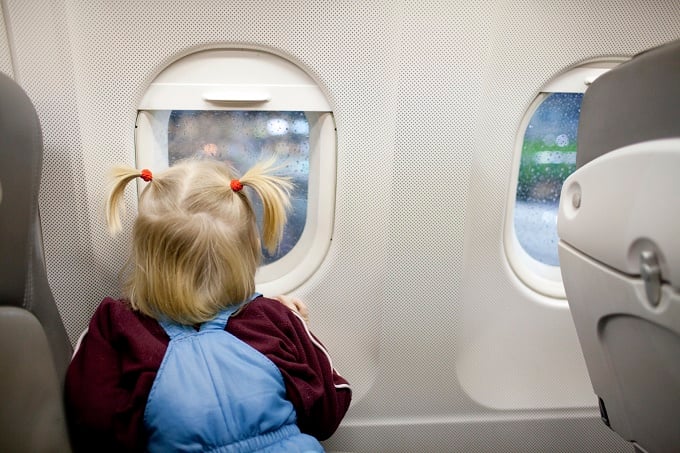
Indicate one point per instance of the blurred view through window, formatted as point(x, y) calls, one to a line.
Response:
point(548, 158)
point(243, 138)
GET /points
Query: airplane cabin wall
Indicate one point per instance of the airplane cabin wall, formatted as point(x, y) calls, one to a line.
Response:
point(445, 347)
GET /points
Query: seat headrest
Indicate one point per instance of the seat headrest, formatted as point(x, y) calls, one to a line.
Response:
point(20, 167)
point(626, 105)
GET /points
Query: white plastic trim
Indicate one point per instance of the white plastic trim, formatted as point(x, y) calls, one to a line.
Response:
point(577, 80)
point(237, 96)
point(212, 79)
point(541, 277)
point(636, 186)
point(574, 81)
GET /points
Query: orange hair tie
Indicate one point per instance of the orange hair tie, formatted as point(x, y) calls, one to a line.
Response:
point(146, 175)
point(236, 185)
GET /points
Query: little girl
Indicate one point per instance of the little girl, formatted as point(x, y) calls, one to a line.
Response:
point(193, 359)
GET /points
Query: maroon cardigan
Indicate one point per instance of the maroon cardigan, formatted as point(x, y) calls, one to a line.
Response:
point(109, 379)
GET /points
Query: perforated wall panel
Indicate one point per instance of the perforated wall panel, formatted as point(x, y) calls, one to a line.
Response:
point(445, 349)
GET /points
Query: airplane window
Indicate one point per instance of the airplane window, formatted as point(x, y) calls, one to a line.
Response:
point(545, 155)
point(242, 138)
point(243, 106)
point(548, 158)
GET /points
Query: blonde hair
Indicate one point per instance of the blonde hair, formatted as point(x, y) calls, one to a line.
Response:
point(196, 245)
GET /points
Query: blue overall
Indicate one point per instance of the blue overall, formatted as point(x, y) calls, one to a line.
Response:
point(213, 392)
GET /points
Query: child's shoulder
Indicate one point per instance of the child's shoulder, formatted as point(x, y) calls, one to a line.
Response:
point(117, 317)
point(116, 310)
point(111, 305)
point(265, 305)
point(110, 309)
point(263, 310)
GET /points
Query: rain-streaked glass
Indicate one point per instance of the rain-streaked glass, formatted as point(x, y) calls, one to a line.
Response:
point(243, 138)
point(548, 158)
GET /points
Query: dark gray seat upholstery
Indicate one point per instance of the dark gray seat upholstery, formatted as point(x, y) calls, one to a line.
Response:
point(34, 348)
point(637, 101)
point(619, 256)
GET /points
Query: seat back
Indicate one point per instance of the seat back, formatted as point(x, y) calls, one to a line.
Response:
point(34, 348)
point(620, 250)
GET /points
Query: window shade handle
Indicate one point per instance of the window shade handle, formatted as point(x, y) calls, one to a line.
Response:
point(237, 96)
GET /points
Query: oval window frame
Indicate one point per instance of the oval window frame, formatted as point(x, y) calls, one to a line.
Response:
point(540, 277)
point(237, 79)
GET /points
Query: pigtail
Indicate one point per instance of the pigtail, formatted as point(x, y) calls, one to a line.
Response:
point(274, 191)
point(120, 176)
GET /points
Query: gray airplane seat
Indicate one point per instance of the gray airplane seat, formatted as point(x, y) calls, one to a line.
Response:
point(619, 229)
point(34, 347)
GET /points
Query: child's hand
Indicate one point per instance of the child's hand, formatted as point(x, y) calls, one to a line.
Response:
point(296, 305)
